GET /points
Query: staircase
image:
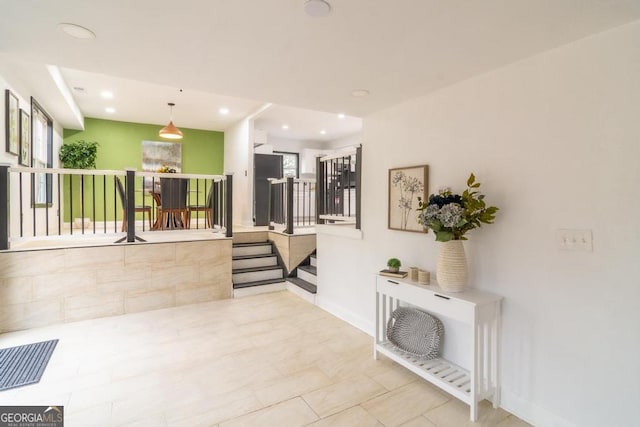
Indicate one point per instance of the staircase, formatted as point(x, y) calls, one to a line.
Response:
point(305, 285)
point(255, 269)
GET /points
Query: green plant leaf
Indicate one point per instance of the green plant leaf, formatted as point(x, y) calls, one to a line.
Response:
point(444, 236)
point(471, 180)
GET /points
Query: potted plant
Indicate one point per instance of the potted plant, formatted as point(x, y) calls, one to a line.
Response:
point(394, 264)
point(78, 155)
point(451, 216)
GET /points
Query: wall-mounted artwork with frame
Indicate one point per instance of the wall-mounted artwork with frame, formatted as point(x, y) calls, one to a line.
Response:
point(25, 139)
point(405, 186)
point(12, 122)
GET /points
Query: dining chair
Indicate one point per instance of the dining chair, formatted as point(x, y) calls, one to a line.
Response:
point(206, 208)
point(137, 209)
point(173, 207)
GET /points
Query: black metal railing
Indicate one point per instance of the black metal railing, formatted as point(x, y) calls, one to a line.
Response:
point(54, 202)
point(292, 203)
point(339, 178)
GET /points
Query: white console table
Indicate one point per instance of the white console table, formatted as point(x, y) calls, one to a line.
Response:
point(478, 310)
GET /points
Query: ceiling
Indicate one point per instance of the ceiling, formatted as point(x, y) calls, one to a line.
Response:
point(243, 54)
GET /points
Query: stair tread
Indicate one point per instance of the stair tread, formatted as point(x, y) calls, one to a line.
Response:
point(256, 283)
point(250, 269)
point(309, 287)
point(244, 245)
point(236, 257)
point(309, 269)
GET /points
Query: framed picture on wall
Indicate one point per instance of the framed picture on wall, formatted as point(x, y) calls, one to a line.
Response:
point(12, 124)
point(405, 186)
point(25, 139)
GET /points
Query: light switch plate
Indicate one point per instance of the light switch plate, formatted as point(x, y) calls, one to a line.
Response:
point(575, 240)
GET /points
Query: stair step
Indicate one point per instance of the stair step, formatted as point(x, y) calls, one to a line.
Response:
point(313, 260)
point(256, 283)
point(254, 274)
point(311, 269)
point(306, 276)
point(236, 257)
point(242, 245)
point(252, 261)
point(309, 287)
point(248, 249)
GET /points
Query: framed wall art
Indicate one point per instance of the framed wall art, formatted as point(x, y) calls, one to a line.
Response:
point(25, 139)
point(405, 186)
point(12, 122)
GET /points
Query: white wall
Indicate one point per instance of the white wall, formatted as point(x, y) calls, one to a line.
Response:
point(23, 94)
point(238, 159)
point(555, 141)
point(348, 141)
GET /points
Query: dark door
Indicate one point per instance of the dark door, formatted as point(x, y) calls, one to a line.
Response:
point(265, 166)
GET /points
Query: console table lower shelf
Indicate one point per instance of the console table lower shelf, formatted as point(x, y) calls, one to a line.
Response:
point(478, 311)
point(446, 375)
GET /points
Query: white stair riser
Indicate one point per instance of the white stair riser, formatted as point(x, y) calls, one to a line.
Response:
point(255, 262)
point(261, 289)
point(251, 250)
point(314, 261)
point(254, 276)
point(308, 277)
point(308, 296)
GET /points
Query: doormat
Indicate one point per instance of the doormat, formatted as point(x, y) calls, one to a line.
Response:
point(24, 364)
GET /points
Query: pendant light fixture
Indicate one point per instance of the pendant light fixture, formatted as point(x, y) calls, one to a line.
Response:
point(170, 131)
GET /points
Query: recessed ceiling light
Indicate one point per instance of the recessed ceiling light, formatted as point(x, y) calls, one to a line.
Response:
point(317, 8)
point(359, 93)
point(110, 110)
point(77, 31)
point(323, 132)
point(107, 94)
point(341, 116)
point(285, 127)
point(223, 110)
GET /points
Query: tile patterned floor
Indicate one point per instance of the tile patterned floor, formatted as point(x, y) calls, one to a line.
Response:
point(265, 360)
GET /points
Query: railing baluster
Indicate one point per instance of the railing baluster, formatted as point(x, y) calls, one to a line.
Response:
point(81, 203)
point(104, 203)
point(20, 197)
point(93, 199)
point(59, 204)
point(4, 207)
point(47, 178)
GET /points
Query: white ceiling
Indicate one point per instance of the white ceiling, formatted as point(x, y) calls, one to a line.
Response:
point(306, 124)
point(271, 52)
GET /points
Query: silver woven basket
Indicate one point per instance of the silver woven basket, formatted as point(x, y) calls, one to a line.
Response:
point(415, 332)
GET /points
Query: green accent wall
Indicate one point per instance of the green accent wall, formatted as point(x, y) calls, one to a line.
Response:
point(121, 147)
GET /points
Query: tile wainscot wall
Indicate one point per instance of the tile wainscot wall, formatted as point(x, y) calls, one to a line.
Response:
point(44, 287)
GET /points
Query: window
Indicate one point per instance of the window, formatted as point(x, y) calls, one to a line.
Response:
point(42, 149)
point(290, 166)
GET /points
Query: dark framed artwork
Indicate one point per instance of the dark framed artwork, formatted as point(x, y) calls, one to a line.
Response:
point(405, 186)
point(41, 155)
point(12, 123)
point(25, 139)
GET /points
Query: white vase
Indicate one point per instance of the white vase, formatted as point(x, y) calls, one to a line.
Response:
point(452, 266)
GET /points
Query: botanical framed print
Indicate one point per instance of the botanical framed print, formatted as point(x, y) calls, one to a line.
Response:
point(25, 139)
point(405, 186)
point(12, 124)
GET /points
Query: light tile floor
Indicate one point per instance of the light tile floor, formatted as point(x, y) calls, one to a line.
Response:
point(265, 360)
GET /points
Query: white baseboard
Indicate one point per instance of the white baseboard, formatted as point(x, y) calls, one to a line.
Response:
point(354, 320)
point(307, 296)
point(261, 289)
point(530, 412)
